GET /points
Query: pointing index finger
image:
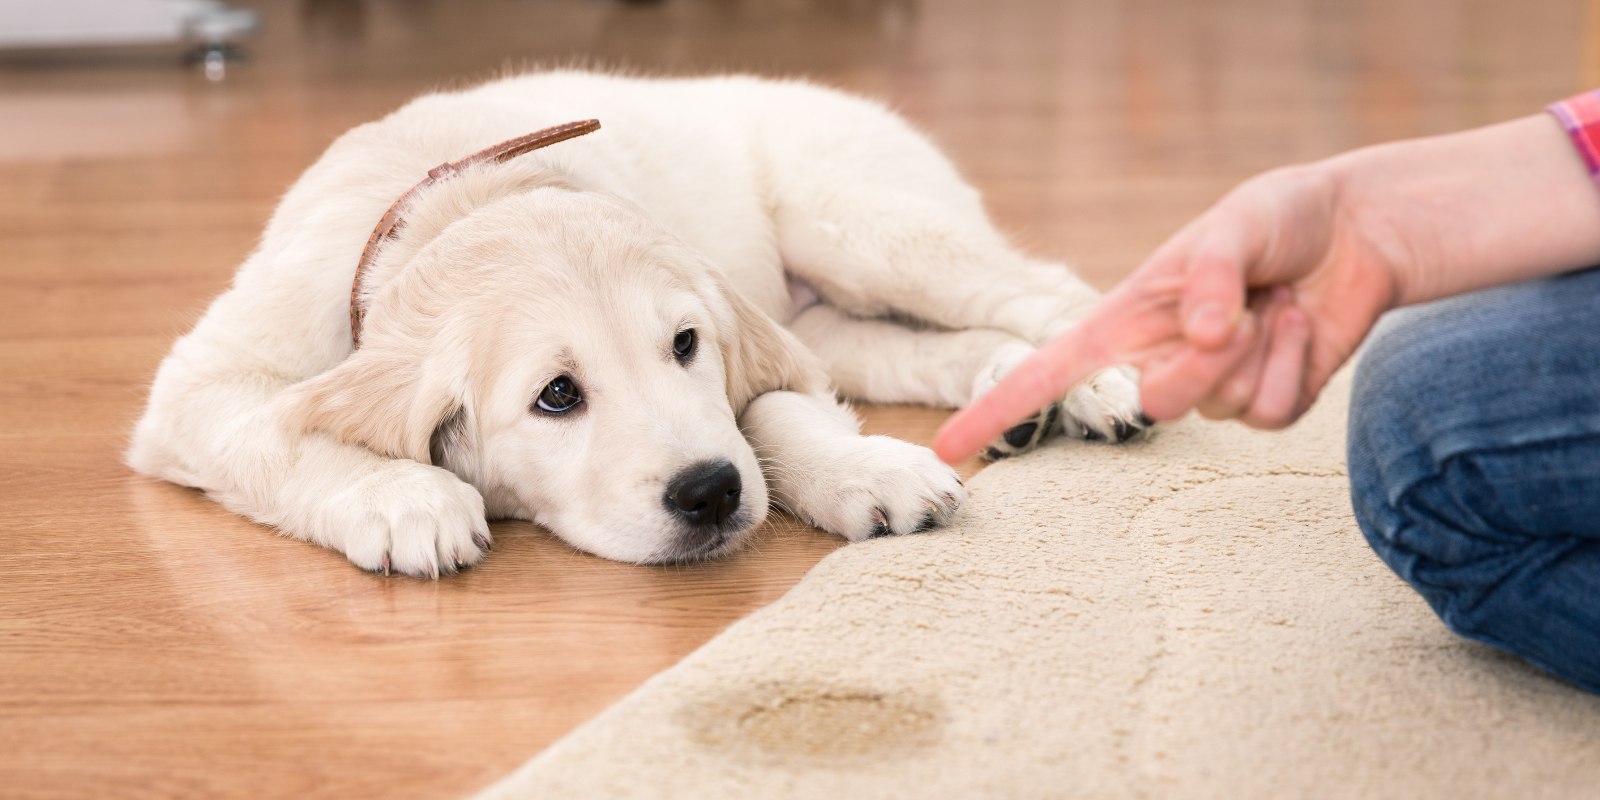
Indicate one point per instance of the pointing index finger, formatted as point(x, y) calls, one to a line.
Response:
point(1038, 381)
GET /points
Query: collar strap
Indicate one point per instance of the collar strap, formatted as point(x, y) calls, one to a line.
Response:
point(391, 222)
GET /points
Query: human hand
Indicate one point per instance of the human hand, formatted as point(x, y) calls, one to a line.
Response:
point(1248, 311)
point(1245, 313)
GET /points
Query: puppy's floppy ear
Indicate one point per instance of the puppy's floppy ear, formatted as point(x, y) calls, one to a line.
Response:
point(762, 356)
point(381, 399)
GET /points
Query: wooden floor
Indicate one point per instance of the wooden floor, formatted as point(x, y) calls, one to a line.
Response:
point(152, 644)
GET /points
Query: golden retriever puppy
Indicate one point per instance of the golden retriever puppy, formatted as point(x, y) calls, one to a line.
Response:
point(629, 338)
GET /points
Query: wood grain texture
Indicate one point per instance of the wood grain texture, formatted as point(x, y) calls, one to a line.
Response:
point(151, 644)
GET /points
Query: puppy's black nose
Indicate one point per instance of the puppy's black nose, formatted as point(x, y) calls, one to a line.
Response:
point(706, 493)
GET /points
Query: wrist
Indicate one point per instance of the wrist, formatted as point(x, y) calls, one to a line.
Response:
point(1385, 209)
point(1368, 241)
point(1451, 214)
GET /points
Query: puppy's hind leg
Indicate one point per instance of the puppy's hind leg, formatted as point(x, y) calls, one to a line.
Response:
point(876, 252)
point(880, 361)
point(880, 252)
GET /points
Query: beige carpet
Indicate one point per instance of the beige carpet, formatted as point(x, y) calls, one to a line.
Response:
point(1194, 616)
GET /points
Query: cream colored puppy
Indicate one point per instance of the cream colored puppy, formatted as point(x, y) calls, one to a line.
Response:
point(627, 338)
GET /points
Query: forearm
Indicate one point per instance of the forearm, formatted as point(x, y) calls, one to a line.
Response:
point(1466, 211)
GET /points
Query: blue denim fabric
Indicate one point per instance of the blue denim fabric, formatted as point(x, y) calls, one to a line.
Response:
point(1474, 457)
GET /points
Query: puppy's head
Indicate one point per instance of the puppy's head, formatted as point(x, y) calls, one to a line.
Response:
point(575, 363)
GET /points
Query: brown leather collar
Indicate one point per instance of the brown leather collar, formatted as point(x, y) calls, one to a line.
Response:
point(390, 224)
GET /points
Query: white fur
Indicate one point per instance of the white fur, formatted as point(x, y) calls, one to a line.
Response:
point(727, 205)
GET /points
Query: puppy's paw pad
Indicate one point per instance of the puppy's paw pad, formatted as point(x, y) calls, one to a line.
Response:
point(1024, 436)
point(409, 518)
point(1105, 408)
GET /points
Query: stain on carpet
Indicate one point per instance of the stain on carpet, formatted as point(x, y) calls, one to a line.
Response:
point(813, 724)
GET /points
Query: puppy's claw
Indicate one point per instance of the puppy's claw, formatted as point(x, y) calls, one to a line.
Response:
point(482, 540)
point(386, 564)
point(880, 525)
point(1123, 429)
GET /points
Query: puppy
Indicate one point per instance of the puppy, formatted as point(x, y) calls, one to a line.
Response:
point(628, 338)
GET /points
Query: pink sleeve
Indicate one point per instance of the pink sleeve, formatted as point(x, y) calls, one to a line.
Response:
point(1580, 115)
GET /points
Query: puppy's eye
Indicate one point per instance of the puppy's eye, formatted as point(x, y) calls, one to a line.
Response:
point(559, 396)
point(683, 344)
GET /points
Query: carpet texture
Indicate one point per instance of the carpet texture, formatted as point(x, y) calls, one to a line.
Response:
point(1192, 616)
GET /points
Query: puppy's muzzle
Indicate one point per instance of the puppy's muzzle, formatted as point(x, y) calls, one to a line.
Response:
point(705, 494)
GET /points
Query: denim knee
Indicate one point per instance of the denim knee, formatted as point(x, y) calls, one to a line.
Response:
point(1416, 510)
point(1474, 427)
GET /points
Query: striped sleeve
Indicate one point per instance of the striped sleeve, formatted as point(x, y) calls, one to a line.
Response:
point(1580, 115)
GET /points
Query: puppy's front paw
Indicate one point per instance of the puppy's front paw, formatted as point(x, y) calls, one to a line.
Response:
point(409, 518)
point(1105, 407)
point(880, 486)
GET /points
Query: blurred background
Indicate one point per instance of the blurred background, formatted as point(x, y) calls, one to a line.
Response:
point(1093, 125)
point(151, 643)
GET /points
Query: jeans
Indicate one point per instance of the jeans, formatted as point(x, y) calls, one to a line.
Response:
point(1474, 457)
